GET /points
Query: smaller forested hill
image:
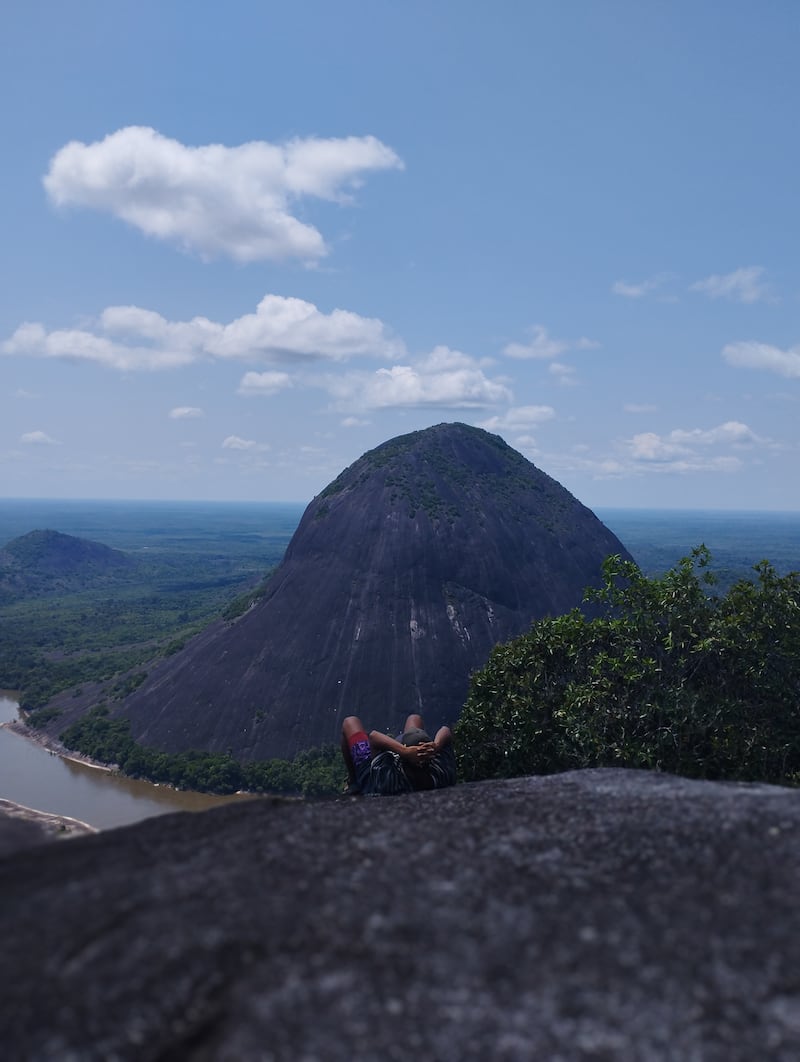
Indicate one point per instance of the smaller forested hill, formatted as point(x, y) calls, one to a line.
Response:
point(49, 561)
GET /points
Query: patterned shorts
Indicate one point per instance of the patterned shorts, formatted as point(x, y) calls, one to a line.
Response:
point(383, 774)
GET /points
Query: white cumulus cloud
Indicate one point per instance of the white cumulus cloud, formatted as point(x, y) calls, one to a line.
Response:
point(753, 355)
point(648, 446)
point(445, 378)
point(215, 200)
point(290, 326)
point(687, 450)
point(72, 344)
point(132, 338)
point(742, 285)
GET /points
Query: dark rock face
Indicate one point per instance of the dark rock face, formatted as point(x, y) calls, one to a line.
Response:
point(593, 915)
point(401, 577)
point(43, 561)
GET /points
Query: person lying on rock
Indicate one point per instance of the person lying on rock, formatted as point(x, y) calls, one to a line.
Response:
point(379, 765)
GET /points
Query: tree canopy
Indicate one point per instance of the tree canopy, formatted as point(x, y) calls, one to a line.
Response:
point(669, 676)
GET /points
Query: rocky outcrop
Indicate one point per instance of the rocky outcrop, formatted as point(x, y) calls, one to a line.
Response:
point(401, 577)
point(592, 915)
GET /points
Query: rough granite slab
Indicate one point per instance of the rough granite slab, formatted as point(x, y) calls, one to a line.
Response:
point(592, 915)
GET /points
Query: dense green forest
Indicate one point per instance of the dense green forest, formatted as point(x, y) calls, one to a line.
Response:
point(64, 621)
point(52, 642)
point(315, 772)
point(671, 677)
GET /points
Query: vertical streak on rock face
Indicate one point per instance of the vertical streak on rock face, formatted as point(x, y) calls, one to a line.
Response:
point(402, 575)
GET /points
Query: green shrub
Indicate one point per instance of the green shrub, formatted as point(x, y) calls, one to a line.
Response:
point(669, 677)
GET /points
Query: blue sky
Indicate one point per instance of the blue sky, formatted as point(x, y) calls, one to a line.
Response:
point(244, 243)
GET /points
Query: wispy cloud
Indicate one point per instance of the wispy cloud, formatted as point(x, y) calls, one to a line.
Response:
point(562, 462)
point(754, 355)
point(185, 413)
point(732, 431)
point(519, 418)
point(38, 438)
point(541, 345)
point(264, 383)
point(444, 379)
point(639, 407)
point(131, 338)
point(565, 374)
point(742, 285)
point(236, 442)
point(215, 200)
point(637, 291)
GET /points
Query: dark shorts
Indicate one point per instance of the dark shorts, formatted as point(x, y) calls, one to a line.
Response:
point(383, 774)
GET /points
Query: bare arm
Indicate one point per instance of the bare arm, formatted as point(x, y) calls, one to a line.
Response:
point(417, 755)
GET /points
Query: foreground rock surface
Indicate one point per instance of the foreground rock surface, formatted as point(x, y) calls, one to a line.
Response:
point(590, 915)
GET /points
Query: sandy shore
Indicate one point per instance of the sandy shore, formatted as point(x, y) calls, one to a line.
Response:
point(53, 825)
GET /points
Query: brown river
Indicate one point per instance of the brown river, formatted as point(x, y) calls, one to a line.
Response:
point(35, 777)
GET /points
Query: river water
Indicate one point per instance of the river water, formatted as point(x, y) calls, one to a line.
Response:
point(32, 776)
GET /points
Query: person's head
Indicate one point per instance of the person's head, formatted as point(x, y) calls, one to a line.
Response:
point(414, 736)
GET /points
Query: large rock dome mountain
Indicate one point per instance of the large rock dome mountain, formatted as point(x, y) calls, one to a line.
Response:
point(401, 576)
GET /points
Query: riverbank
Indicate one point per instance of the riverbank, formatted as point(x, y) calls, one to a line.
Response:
point(49, 824)
point(38, 772)
point(55, 747)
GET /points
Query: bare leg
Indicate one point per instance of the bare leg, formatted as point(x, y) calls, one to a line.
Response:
point(351, 725)
point(443, 737)
point(414, 722)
